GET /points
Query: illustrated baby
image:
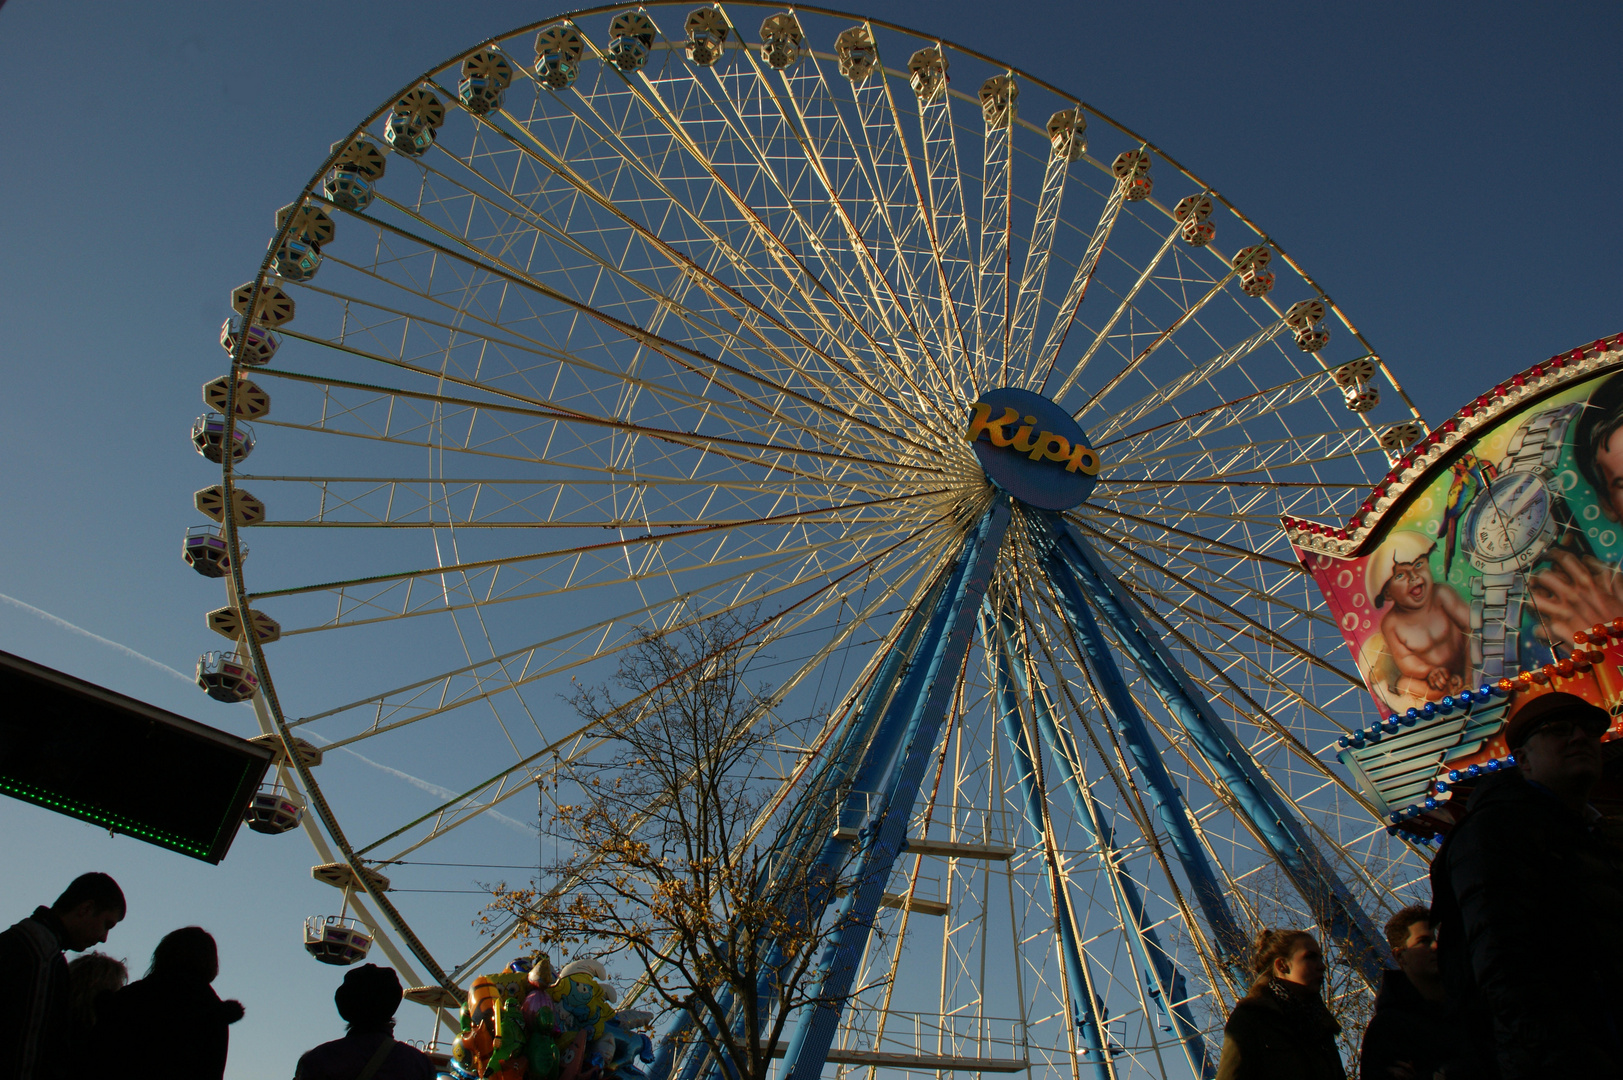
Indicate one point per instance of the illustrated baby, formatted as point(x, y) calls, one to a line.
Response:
point(1425, 630)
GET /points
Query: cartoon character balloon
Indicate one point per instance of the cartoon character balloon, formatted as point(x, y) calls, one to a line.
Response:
point(579, 992)
point(527, 1023)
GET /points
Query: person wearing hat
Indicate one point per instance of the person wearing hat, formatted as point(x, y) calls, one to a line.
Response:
point(1425, 626)
point(367, 1000)
point(1527, 893)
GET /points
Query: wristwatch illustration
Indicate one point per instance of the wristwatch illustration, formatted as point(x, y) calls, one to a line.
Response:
point(1507, 529)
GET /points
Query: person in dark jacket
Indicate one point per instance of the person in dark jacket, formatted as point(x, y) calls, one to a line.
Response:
point(35, 1015)
point(176, 999)
point(1526, 893)
point(1407, 1038)
point(1282, 1030)
point(367, 1000)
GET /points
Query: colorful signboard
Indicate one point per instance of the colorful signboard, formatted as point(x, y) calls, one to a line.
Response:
point(1461, 585)
point(1032, 448)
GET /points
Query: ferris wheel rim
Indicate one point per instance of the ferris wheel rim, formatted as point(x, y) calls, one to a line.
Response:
point(243, 596)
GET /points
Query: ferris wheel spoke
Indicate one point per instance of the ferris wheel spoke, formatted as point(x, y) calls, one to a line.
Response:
point(1266, 456)
point(728, 302)
point(947, 218)
point(1228, 515)
point(1265, 460)
point(992, 266)
point(1165, 395)
point(1212, 545)
point(850, 385)
point(833, 159)
point(601, 567)
point(845, 298)
point(680, 408)
point(1126, 543)
point(769, 457)
point(747, 112)
point(725, 342)
point(1150, 962)
point(895, 179)
point(1065, 317)
point(1029, 295)
point(584, 740)
point(541, 504)
point(673, 351)
point(1160, 339)
point(1222, 417)
point(602, 637)
point(363, 602)
point(1122, 308)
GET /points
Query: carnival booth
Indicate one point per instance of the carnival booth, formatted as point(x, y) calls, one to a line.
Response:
point(1484, 570)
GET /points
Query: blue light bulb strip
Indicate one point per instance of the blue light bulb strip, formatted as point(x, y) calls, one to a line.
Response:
point(1464, 701)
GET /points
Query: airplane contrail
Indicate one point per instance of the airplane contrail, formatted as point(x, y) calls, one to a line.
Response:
point(125, 649)
point(416, 781)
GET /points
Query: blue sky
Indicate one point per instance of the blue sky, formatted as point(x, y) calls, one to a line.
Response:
point(1451, 180)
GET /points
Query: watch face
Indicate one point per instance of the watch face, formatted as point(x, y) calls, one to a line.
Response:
point(1507, 518)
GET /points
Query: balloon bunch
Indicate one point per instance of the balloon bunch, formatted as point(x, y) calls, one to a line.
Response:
point(527, 1023)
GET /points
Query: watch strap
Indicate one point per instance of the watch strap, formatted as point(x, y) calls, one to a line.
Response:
point(1497, 599)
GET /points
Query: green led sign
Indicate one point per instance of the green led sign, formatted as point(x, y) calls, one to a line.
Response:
point(85, 751)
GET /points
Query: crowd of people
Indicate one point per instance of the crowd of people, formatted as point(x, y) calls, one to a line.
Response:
point(1511, 974)
point(60, 1018)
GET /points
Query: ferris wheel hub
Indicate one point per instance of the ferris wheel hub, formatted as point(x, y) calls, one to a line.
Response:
point(1032, 448)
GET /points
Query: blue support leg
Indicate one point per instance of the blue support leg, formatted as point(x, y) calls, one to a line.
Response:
point(922, 705)
point(1165, 796)
point(1165, 983)
point(1263, 806)
point(1087, 1011)
point(807, 832)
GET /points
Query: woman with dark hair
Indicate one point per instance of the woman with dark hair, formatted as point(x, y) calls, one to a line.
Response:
point(1282, 1030)
point(175, 999)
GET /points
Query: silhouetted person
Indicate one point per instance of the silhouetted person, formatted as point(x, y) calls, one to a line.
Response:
point(91, 978)
point(367, 1000)
point(1526, 895)
point(177, 1000)
point(1407, 1038)
point(35, 1015)
point(1282, 1030)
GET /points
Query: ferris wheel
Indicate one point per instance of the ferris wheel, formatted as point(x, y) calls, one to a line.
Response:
point(983, 407)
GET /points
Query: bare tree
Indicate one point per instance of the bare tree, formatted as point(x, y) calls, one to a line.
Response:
point(684, 857)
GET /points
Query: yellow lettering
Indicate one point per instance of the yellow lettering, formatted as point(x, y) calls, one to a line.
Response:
point(1022, 438)
point(1085, 460)
point(993, 428)
point(1044, 446)
point(1052, 447)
